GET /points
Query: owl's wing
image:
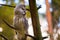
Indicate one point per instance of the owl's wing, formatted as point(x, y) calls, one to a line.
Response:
point(26, 23)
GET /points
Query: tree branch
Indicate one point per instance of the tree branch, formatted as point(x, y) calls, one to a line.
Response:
point(39, 7)
point(34, 37)
point(9, 25)
point(30, 36)
point(3, 37)
point(44, 37)
point(14, 6)
point(7, 5)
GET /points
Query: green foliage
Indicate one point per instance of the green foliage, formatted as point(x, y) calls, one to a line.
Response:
point(56, 7)
point(56, 3)
point(0, 38)
point(28, 15)
point(7, 14)
point(58, 37)
point(56, 12)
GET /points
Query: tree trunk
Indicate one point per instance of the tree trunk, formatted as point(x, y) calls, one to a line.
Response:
point(49, 19)
point(35, 19)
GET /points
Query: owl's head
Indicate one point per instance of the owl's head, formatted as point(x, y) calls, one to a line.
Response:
point(20, 8)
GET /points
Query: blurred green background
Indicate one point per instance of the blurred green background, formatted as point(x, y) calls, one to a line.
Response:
point(7, 13)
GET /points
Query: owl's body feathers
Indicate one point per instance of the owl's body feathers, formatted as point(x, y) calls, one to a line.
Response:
point(20, 22)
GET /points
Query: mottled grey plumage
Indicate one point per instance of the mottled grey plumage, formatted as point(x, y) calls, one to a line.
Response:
point(20, 21)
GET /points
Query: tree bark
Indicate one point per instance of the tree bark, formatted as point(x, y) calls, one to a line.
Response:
point(49, 19)
point(35, 20)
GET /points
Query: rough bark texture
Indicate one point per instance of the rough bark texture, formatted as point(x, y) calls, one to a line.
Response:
point(35, 19)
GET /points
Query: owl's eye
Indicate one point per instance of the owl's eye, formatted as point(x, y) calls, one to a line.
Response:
point(23, 8)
